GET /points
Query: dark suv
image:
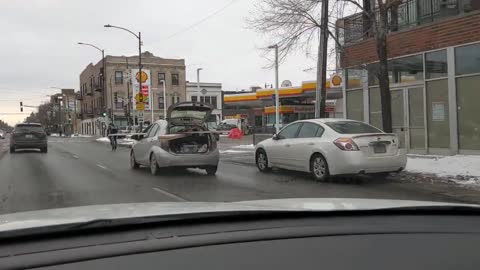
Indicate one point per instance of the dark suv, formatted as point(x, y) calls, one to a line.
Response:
point(28, 135)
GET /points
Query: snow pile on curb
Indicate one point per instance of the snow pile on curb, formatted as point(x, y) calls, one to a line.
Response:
point(103, 140)
point(460, 169)
point(246, 146)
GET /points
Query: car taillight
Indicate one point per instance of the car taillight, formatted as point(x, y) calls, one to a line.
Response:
point(346, 144)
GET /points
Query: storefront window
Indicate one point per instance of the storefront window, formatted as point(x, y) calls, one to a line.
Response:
point(468, 112)
point(438, 115)
point(375, 108)
point(467, 59)
point(407, 69)
point(354, 78)
point(355, 105)
point(436, 64)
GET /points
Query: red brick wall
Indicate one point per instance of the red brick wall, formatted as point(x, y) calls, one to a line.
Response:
point(449, 32)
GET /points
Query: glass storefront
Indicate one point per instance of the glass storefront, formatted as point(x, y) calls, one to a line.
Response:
point(438, 115)
point(468, 94)
point(416, 123)
point(355, 104)
point(420, 100)
point(375, 108)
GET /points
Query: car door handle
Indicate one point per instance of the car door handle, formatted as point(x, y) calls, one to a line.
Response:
point(287, 145)
point(310, 143)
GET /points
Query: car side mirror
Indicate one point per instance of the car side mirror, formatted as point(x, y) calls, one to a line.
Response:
point(276, 137)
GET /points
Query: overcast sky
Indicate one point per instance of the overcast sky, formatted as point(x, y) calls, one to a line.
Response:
point(39, 44)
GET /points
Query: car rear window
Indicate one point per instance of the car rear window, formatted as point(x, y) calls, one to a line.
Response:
point(350, 127)
point(29, 128)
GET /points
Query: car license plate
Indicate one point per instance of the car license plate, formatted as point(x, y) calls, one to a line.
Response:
point(379, 148)
point(28, 136)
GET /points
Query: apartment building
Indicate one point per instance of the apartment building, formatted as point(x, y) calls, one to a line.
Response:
point(99, 107)
point(434, 70)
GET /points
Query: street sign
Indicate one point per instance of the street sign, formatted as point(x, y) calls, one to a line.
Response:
point(140, 106)
point(139, 98)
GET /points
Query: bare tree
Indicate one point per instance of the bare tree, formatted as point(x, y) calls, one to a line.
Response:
point(376, 24)
point(294, 25)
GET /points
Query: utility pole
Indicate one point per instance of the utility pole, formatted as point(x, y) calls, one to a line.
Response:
point(320, 94)
point(277, 98)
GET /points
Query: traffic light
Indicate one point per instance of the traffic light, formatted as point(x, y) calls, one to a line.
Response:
point(21, 106)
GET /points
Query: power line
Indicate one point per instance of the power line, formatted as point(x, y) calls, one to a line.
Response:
point(201, 21)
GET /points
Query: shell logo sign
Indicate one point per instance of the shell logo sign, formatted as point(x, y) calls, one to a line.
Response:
point(143, 78)
point(336, 80)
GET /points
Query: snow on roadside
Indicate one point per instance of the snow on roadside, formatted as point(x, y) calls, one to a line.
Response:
point(245, 146)
point(461, 169)
point(233, 151)
point(103, 140)
point(81, 136)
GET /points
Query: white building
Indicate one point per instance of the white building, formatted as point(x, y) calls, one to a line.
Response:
point(210, 93)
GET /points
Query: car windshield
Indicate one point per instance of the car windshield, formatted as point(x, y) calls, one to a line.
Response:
point(350, 127)
point(170, 103)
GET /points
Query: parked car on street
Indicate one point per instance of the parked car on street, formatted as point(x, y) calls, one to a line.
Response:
point(182, 141)
point(2, 134)
point(327, 147)
point(27, 136)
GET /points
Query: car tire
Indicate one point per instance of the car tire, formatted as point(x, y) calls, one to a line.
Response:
point(211, 170)
point(261, 160)
point(154, 169)
point(44, 149)
point(319, 168)
point(133, 163)
point(12, 149)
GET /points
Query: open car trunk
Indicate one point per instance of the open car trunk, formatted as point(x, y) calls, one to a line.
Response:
point(190, 140)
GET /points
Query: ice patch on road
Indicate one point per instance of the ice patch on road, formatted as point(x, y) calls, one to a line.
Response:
point(245, 146)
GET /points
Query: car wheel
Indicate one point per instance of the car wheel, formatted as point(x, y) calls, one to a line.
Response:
point(133, 163)
point(319, 168)
point(12, 149)
point(262, 161)
point(154, 165)
point(211, 170)
point(44, 150)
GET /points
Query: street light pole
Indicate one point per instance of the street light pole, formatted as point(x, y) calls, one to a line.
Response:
point(139, 37)
point(104, 75)
point(277, 99)
point(198, 81)
point(164, 100)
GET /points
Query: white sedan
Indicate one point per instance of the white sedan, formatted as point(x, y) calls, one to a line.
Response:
point(326, 147)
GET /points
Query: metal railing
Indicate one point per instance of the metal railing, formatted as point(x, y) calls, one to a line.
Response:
point(409, 13)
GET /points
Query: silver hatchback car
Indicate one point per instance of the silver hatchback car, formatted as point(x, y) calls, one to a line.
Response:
point(182, 141)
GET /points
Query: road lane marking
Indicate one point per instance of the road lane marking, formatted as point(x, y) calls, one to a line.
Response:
point(75, 157)
point(101, 166)
point(168, 194)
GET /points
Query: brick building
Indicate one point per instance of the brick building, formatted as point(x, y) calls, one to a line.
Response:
point(434, 70)
point(98, 106)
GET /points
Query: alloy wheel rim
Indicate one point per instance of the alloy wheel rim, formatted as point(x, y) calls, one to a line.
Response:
point(153, 164)
point(262, 162)
point(319, 167)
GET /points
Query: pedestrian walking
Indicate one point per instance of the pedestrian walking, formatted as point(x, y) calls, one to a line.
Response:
point(112, 135)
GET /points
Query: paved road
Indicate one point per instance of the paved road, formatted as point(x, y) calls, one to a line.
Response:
point(78, 171)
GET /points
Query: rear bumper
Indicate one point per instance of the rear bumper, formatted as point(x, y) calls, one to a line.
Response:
point(356, 162)
point(167, 159)
point(29, 144)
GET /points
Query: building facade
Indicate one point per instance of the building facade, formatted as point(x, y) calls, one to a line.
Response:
point(99, 107)
point(434, 71)
point(63, 115)
point(210, 93)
